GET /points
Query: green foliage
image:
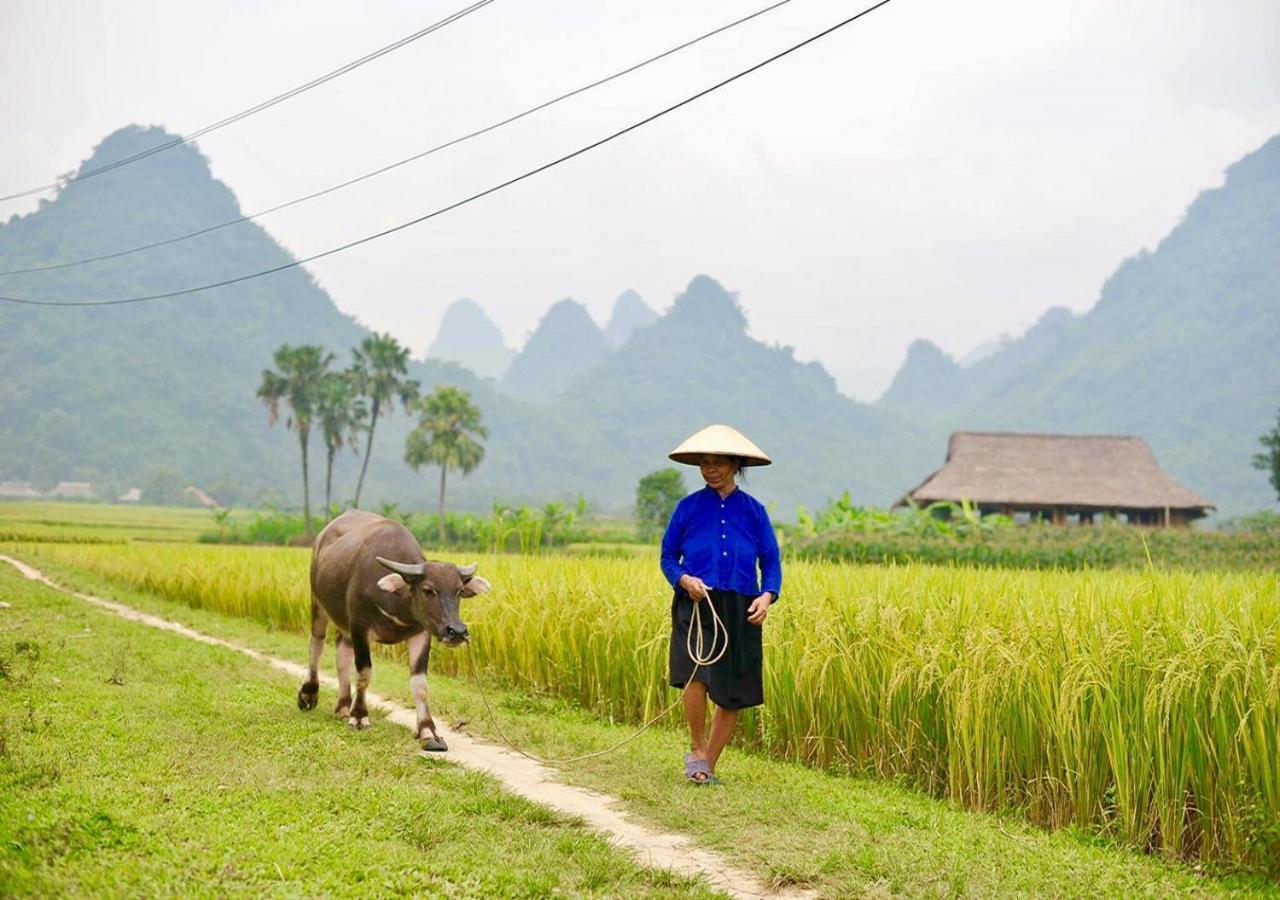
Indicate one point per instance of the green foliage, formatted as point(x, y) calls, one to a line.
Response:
point(656, 497)
point(1269, 460)
point(341, 412)
point(943, 518)
point(447, 435)
point(1043, 546)
point(300, 384)
point(165, 487)
point(378, 370)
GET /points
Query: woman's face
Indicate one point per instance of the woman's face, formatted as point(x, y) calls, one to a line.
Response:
point(717, 471)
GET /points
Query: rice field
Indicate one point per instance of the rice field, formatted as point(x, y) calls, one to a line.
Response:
point(1140, 706)
point(65, 522)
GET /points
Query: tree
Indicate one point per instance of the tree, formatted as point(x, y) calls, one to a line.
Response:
point(298, 384)
point(446, 436)
point(379, 362)
point(1269, 461)
point(341, 412)
point(656, 497)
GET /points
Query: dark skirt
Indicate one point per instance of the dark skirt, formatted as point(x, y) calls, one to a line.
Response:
point(736, 680)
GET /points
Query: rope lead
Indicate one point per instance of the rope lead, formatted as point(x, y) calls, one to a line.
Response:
point(701, 657)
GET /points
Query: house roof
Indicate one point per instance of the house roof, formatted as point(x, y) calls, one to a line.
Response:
point(1088, 470)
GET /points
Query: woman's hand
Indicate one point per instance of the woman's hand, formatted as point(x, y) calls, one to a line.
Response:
point(758, 611)
point(694, 586)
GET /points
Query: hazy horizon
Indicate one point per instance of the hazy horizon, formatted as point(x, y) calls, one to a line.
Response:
point(933, 171)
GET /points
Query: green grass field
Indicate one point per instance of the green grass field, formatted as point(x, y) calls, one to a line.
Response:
point(136, 763)
point(1117, 708)
point(101, 522)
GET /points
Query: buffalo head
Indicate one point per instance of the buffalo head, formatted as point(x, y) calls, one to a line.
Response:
point(434, 591)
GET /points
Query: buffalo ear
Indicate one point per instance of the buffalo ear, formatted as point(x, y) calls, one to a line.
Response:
point(394, 584)
point(475, 585)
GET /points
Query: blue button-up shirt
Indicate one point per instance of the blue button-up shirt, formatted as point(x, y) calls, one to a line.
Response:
point(721, 541)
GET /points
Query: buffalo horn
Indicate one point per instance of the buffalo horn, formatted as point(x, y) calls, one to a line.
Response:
point(468, 572)
point(410, 570)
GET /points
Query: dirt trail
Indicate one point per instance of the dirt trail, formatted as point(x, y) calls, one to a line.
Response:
point(601, 812)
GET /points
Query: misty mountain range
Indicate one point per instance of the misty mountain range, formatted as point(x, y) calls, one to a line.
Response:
point(1180, 349)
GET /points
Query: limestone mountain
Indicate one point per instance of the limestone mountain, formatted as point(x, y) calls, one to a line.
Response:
point(696, 366)
point(1180, 349)
point(566, 342)
point(467, 336)
point(629, 313)
point(114, 393)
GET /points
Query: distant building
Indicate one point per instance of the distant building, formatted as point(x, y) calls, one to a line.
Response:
point(72, 490)
point(18, 490)
point(201, 497)
point(1057, 476)
point(133, 495)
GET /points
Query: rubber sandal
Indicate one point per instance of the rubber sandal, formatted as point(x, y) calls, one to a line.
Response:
point(694, 767)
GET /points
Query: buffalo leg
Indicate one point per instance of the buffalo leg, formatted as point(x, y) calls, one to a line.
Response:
point(309, 693)
point(345, 654)
point(419, 652)
point(359, 717)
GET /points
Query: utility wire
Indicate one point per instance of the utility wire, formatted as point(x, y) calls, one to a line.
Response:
point(456, 204)
point(265, 104)
point(428, 152)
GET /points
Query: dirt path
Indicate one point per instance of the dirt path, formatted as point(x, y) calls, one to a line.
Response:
point(601, 812)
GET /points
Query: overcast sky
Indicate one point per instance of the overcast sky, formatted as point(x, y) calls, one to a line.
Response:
point(938, 169)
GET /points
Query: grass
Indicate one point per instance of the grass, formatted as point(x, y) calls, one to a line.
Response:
point(67, 522)
point(1140, 707)
point(137, 763)
point(842, 835)
point(1044, 546)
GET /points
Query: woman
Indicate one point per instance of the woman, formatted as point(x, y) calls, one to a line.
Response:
point(713, 545)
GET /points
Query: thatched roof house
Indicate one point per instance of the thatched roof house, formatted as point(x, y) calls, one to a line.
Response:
point(1059, 475)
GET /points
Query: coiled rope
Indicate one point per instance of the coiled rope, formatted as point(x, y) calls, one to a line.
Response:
point(701, 655)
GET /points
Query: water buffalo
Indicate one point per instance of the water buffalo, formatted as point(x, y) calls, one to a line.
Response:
point(369, 577)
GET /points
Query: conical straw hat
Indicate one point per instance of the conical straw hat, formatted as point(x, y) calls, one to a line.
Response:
point(722, 440)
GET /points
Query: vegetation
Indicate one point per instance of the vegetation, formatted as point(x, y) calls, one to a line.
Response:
point(341, 413)
point(954, 534)
point(46, 520)
point(1143, 707)
point(1269, 460)
point(123, 758)
point(378, 370)
point(446, 436)
point(656, 497)
point(840, 836)
point(299, 384)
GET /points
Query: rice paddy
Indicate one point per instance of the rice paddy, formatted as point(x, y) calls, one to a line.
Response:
point(1140, 706)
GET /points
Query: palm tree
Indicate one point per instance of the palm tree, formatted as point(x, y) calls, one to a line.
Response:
point(341, 412)
point(379, 362)
point(302, 371)
point(446, 436)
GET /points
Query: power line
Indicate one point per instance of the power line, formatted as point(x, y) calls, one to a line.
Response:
point(265, 104)
point(417, 156)
point(456, 204)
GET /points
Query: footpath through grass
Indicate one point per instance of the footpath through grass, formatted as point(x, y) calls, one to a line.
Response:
point(139, 763)
point(839, 835)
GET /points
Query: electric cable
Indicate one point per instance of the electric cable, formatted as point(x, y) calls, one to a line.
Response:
point(265, 104)
point(417, 156)
point(466, 200)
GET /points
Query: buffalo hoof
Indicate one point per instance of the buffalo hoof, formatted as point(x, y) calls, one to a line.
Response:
point(434, 744)
point(342, 710)
point(307, 700)
point(358, 724)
